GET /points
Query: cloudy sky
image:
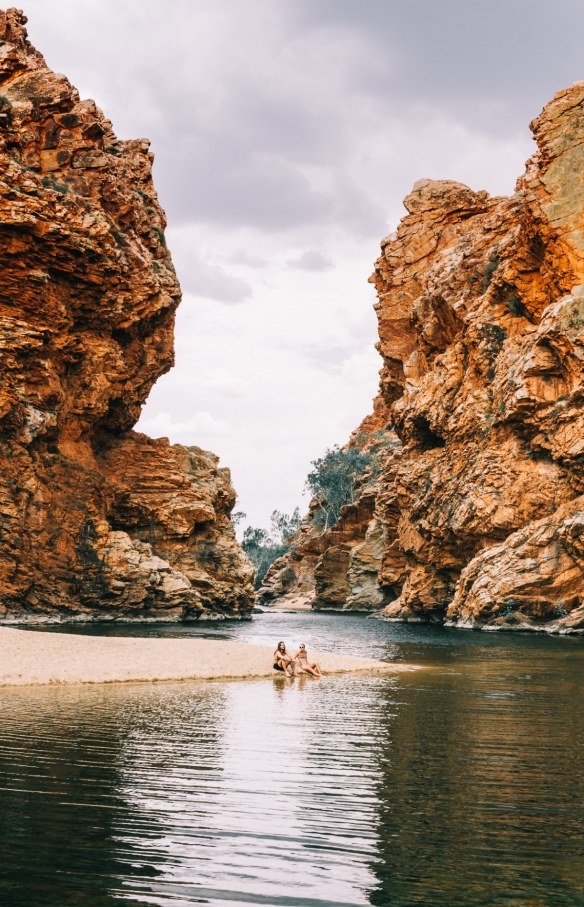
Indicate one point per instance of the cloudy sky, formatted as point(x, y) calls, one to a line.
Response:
point(286, 133)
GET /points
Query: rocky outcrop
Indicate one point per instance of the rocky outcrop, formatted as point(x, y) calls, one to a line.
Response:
point(96, 521)
point(339, 568)
point(481, 333)
point(536, 574)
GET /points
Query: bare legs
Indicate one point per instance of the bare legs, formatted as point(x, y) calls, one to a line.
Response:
point(313, 668)
point(286, 662)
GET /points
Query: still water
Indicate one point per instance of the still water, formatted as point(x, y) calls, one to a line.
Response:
point(459, 784)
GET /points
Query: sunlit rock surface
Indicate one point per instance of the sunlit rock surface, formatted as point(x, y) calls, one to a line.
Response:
point(96, 520)
point(481, 332)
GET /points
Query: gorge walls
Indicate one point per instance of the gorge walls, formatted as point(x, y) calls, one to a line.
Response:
point(96, 521)
point(477, 515)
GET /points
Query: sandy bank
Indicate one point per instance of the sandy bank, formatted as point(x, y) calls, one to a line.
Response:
point(39, 658)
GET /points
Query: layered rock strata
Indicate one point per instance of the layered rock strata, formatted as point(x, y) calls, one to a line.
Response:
point(316, 568)
point(481, 333)
point(96, 521)
point(340, 568)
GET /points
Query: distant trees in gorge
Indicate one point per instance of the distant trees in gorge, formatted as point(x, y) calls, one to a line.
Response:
point(263, 547)
point(335, 480)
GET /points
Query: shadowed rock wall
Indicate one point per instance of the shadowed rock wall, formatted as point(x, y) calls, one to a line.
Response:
point(95, 520)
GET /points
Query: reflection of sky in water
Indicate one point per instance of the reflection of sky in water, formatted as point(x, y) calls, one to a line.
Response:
point(274, 802)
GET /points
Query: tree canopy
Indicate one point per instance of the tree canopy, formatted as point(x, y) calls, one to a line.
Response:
point(332, 482)
point(263, 547)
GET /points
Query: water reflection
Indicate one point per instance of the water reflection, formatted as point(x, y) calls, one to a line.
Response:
point(58, 797)
point(482, 802)
point(461, 785)
point(287, 816)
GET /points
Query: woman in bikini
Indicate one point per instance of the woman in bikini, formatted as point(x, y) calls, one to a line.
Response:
point(302, 658)
point(283, 661)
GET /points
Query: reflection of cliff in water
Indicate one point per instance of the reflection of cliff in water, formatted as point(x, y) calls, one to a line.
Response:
point(481, 798)
point(60, 801)
point(87, 776)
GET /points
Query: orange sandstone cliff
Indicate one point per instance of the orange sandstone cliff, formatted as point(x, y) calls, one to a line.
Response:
point(478, 517)
point(96, 521)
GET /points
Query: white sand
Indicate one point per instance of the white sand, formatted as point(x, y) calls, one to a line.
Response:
point(34, 657)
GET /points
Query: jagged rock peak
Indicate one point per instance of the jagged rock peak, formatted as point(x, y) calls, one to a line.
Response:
point(16, 52)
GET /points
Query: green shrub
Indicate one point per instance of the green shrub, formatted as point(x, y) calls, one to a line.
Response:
point(263, 547)
point(51, 182)
point(332, 481)
point(489, 270)
point(284, 527)
point(160, 234)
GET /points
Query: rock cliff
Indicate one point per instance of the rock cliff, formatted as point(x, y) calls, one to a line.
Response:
point(479, 516)
point(96, 521)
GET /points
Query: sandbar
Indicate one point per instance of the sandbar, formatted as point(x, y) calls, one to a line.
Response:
point(36, 657)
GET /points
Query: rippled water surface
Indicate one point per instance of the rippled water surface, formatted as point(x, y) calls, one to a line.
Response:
point(459, 784)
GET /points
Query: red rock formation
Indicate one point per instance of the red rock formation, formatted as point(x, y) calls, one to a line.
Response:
point(485, 383)
point(96, 520)
point(338, 569)
point(317, 565)
point(481, 327)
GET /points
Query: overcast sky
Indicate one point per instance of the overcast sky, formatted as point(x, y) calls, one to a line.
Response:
point(286, 133)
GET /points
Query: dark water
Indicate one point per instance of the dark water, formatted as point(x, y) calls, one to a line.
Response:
point(461, 784)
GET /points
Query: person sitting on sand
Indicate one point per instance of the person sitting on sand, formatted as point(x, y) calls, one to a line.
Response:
point(301, 658)
point(283, 661)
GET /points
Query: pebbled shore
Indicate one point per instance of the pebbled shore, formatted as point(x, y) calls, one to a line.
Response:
point(34, 657)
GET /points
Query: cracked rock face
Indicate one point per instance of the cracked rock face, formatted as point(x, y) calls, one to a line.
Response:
point(481, 332)
point(97, 521)
point(481, 307)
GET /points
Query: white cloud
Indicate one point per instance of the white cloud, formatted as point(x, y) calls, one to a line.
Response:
point(359, 367)
point(281, 130)
point(200, 273)
point(311, 260)
point(291, 371)
point(201, 425)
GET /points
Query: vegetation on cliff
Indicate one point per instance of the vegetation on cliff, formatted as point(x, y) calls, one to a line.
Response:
point(263, 547)
point(337, 479)
point(333, 482)
point(340, 476)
